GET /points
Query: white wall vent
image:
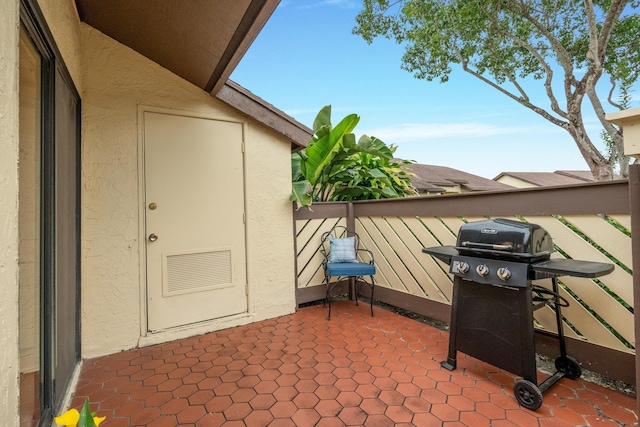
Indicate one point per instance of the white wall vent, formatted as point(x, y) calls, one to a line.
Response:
point(196, 271)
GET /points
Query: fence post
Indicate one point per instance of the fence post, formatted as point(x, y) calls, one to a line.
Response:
point(629, 121)
point(295, 249)
point(634, 206)
point(351, 217)
point(351, 225)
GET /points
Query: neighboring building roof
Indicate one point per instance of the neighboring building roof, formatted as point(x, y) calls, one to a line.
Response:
point(545, 179)
point(429, 178)
point(200, 41)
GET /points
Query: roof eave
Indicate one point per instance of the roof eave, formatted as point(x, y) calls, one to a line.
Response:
point(200, 41)
point(252, 23)
point(243, 100)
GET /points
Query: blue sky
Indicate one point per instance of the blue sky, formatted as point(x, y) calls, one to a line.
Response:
point(306, 57)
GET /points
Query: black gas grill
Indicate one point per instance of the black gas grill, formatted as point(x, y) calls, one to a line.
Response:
point(493, 263)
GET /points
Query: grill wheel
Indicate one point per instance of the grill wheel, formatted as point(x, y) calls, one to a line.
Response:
point(569, 366)
point(528, 394)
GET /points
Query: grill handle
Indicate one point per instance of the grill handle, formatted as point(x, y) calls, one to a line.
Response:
point(487, 246)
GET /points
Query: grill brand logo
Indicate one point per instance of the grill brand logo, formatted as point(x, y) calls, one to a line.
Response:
point(489, 231)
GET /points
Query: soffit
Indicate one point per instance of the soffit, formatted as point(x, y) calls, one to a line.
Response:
point(201, 41)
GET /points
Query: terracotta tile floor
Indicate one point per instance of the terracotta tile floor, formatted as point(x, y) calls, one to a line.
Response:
point(302, 370)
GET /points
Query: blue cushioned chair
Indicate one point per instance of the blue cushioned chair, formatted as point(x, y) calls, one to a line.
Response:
point(343, 260)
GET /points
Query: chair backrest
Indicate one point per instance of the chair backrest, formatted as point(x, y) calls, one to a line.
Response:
point(337, 231)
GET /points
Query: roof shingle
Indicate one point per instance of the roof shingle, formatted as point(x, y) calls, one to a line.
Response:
point(428, 178)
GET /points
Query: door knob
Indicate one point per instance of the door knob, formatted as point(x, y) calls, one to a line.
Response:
point(153, 237)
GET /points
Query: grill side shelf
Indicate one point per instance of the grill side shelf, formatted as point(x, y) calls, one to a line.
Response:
point(443, 253)
point(572, 267)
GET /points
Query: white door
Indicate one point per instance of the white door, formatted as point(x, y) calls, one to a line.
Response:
point(194, 209)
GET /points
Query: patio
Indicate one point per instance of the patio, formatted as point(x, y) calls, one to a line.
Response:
point(302, 370)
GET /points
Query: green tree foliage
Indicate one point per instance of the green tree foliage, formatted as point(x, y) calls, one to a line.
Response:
point(334, 167)
point(567, 45)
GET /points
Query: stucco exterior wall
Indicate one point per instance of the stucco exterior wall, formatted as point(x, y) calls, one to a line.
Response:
point(64, 23)
point(270, 252)
point(515, 182)
point(116, 81)
point(9, 139)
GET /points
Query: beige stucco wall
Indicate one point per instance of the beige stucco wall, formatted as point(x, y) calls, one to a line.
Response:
point(629, 120)
point(64, 23)
point(515, 182)
point(9, 363)
point(116, 82)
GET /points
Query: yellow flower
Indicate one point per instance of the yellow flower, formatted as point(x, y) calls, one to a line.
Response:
point(69, 418)
point(72, 417)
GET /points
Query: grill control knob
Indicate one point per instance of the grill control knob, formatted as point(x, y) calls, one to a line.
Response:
point(463, 267)
point(482, 270)
point(504, 273)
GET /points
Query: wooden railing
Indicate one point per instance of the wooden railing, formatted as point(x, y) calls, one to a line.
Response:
point(588, 222)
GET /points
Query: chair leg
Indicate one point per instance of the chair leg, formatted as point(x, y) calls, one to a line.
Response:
point(359, 290)
point(355, 288)
point(327, 296)
point(327, 299)
point(373, 285)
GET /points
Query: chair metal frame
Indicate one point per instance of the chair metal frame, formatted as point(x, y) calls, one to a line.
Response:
point(340, 231)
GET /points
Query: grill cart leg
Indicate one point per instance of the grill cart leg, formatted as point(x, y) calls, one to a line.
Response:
point(558, 305)
point(566, 365)
point(451, 362)
point(569, 367)
point(528, 394)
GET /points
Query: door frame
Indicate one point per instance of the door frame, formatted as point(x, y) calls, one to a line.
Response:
point(142, 237)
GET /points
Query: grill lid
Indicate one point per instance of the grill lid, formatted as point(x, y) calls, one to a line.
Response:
point(504, 237)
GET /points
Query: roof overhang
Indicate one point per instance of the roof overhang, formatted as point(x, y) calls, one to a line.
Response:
point(201, 41)
point(243, 100)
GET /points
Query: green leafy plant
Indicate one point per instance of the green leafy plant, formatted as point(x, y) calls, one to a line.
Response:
point(334, 167)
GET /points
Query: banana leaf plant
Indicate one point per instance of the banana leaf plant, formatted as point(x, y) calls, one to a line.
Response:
point(373, 177)
point(332, 167)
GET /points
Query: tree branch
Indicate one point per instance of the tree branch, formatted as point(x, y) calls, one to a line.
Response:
point(541, 111)
point(611, 92)
point(612, 17)
point(596, 54)
point(555, 107)
point(515, 83)
point(593, 52)
point(598, 44)
point(599, 110)
point(564, 58)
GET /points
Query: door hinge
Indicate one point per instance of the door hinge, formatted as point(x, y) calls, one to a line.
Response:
point(242, 147)
point(244, 218)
